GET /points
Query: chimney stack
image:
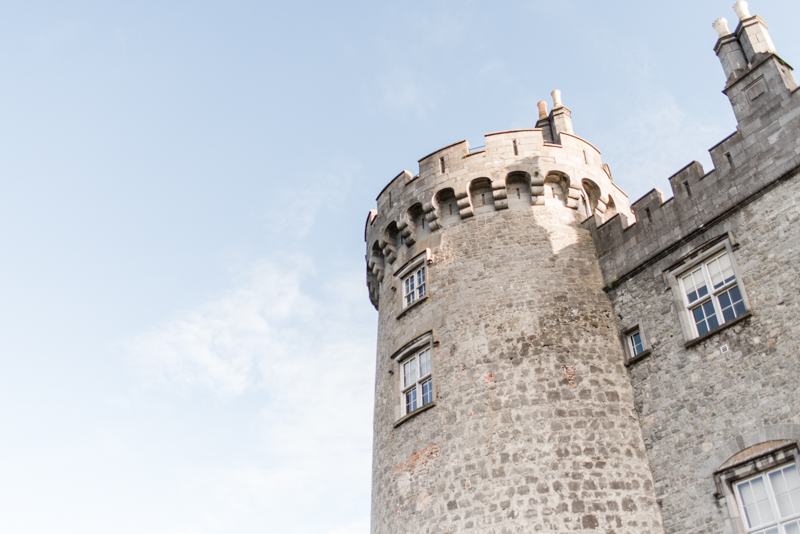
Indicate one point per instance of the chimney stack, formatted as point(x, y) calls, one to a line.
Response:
point(560, 117)
point(729, 51)
point(752, 33)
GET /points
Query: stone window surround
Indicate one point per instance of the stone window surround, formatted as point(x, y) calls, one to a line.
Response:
point(625, 335)
point(688, 262)
point(781, 454)
point(410, 349)
point(399, 276)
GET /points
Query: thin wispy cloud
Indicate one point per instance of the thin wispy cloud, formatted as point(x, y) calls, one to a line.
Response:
point(307, 358)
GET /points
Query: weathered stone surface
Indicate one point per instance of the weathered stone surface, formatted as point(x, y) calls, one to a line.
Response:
point(537, 424)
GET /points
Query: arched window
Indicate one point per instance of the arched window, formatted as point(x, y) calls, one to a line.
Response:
point(480, 191)
point(447, 206)
point(518, 190)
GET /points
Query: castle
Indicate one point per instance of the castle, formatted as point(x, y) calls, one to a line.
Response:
point(551, 358)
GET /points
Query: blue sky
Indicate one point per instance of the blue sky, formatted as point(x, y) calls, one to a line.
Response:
point(186, 341)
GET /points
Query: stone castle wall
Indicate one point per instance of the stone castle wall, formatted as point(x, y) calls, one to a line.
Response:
point(702, 403)
point(533, 427)
point(538, 424)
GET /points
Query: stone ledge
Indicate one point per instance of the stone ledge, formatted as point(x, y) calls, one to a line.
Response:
point(412, 305)
point(639, 357)
point(416, 412)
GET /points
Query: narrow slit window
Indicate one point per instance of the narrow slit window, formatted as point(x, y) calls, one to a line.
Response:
point(585, 158)
point(730, 160)
point(450, 207)
point(688, 189)
point(441, 163)
point(518, 193)
point(516, 150)
point(649, 215)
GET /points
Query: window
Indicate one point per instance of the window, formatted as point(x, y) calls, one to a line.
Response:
point(635, 343)
point(712, 294)
point(416, 381)
point(770, 502)
point(414, 286)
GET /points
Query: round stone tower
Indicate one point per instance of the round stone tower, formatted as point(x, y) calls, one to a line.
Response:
point(502, 404)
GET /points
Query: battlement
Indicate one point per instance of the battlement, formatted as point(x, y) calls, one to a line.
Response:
point(517, 169)
point(764, 149)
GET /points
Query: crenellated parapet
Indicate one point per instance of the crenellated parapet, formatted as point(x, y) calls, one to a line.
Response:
point(516, 169)
point(764, 150)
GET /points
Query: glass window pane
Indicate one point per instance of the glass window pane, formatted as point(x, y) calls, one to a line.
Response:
point(788, 498)
point(421, 276)
point(427, 392)
point(727, 268)
point(692, 283)
point(762, 500)
point(711, 315)
point(411, 400)
point(792, 528)
point(716, 274)
point(731, 303)
point(791, 477)
point(409, 372)
point(425, 363)
point(636, 343)
point(700, 320)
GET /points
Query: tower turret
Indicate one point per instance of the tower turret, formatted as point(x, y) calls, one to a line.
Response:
point(502, 403)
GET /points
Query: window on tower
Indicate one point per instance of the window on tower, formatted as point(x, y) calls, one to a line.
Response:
point(417, 383)
point(413, 366)
point(414, 286)
point(412, 283)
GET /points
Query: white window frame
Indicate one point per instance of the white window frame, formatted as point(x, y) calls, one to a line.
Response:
point(677, 281)
point(416, 378)
point(778, 523)
point(631, 355)
point(415, 285)
point(632, 344)
point(416, 268)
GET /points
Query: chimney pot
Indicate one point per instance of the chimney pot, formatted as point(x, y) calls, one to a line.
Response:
point(721, 25)
point(556, 99)
point(542, 110)
point(742, 10)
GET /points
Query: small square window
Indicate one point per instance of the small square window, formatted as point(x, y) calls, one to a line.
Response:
point(414, 286)
point(635, 344)
point(416, 381)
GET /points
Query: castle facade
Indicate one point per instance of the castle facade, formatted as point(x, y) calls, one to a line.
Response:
point(552, 358)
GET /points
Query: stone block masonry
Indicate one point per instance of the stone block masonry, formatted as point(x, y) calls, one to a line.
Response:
point(507, 280)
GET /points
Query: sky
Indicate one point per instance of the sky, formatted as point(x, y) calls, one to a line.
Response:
point(186, 341)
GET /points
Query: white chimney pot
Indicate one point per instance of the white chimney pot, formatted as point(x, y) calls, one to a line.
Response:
point(742, 11)
point(556, 98)
point(721, 25)
point(542, 109)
